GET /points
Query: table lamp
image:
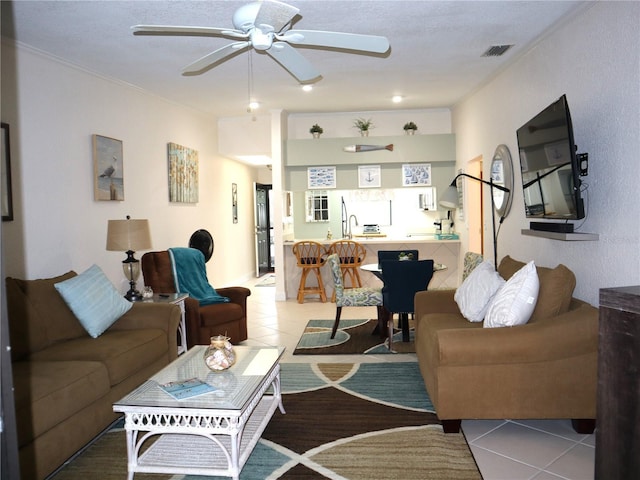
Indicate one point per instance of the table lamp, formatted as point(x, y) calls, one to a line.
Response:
point(129, 236)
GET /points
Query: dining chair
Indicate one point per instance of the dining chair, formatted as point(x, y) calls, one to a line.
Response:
point(352, 297)
point(351, 255)
point(310, 257)
point(396, 255)
point(402, 280)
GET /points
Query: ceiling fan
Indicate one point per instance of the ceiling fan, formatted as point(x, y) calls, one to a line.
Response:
point(266, 26)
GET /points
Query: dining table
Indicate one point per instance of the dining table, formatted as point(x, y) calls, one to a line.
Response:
point(376, 269)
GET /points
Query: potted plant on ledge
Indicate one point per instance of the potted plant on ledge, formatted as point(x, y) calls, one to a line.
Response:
point(316, 130)
point(410, 128)
point(363, 126)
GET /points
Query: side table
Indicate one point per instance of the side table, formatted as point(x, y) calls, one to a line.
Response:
point(175, 299)
point(618, 410)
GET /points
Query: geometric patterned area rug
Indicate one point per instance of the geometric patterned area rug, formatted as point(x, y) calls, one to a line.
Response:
point(352, 337)
point(356, 421)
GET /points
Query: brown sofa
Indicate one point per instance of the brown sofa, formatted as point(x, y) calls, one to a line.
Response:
point(543, 369)
point(204, 322)
point(66, 381)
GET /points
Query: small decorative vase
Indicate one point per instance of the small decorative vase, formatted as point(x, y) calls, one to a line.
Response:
point(410, 131)
point(364, 133)
point(219, 355)
point(316, 134)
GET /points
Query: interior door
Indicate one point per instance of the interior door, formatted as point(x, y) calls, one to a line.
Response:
point(262, 232)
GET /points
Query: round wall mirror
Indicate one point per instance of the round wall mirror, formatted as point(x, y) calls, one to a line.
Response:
point(502, 175)
point(203, 241)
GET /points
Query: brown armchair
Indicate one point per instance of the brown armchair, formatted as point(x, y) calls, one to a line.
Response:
point(203, 322)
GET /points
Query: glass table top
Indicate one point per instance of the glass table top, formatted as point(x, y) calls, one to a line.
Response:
point(234, 387)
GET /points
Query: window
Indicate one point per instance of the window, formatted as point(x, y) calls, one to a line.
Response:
point(317, 206)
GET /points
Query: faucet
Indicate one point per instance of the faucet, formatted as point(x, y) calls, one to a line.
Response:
point(349, 234)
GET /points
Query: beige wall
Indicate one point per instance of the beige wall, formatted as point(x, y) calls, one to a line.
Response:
point(594, 60)
point(53, 112)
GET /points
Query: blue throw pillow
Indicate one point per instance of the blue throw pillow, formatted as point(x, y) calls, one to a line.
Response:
point(94, 300)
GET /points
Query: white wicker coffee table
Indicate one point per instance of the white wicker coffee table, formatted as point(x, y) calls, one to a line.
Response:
point(211, 434)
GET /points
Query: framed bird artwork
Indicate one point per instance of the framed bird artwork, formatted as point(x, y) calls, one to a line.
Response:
point(108, 174)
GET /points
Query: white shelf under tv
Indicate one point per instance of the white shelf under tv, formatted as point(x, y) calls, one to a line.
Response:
point(567, 237)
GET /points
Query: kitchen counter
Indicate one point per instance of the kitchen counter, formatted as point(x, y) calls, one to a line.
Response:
point(379, 239)
point(446, 252)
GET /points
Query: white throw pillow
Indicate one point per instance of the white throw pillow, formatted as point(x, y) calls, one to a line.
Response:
point(477, 290)
point(515, 301)
point(94, 300)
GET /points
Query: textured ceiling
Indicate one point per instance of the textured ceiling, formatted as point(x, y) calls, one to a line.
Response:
point(434, 61)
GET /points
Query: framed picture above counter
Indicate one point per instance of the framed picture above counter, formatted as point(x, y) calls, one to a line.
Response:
point(369, 176)
point(321, 177)
point(416, 175)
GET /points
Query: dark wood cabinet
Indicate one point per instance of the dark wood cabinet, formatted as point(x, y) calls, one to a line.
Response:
point(618, 408)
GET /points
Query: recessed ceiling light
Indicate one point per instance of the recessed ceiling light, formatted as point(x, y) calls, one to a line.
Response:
point(396, 98)
point(254, 105)
point(307, 88)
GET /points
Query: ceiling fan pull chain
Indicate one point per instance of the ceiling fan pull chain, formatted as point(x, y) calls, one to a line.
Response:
point(250, 81)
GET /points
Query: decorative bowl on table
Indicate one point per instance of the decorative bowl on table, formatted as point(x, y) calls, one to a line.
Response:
point(220, 354)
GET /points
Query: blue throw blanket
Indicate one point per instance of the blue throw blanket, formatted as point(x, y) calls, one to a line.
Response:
point(190, 275)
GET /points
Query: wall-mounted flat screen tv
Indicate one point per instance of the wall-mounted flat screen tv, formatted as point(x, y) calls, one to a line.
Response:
point(549, 164)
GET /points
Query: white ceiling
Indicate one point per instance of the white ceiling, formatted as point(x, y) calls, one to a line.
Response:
point(434, 61)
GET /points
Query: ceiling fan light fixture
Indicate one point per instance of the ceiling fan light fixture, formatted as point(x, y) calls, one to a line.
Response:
point(253, 106)
point(261, 40)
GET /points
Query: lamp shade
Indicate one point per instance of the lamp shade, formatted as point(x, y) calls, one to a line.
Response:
point(449, 199)
point(128, 235)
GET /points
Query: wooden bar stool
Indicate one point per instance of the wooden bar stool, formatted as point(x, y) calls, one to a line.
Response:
point(351, 255)
point(311, 256)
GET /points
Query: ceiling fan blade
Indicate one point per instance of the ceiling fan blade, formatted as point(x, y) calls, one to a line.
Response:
point(187, 31)
point(291, 60)
point(275, 14)
point(214, 58)
point(348, 41)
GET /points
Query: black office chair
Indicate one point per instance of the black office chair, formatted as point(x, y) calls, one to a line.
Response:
point(396, 255)
point(402, 280)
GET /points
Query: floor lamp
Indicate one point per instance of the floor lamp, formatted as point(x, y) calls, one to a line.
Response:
point(450, 197)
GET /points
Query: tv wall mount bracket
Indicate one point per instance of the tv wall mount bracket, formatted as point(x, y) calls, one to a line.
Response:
point(583, 163)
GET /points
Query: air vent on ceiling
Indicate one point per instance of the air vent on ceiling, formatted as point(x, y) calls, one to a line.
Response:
point(496, 50)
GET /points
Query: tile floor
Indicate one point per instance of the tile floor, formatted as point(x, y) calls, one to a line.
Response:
point(503, 449)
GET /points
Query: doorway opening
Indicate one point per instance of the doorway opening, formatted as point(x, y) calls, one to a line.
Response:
point(264, 242)
point(473, 207)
